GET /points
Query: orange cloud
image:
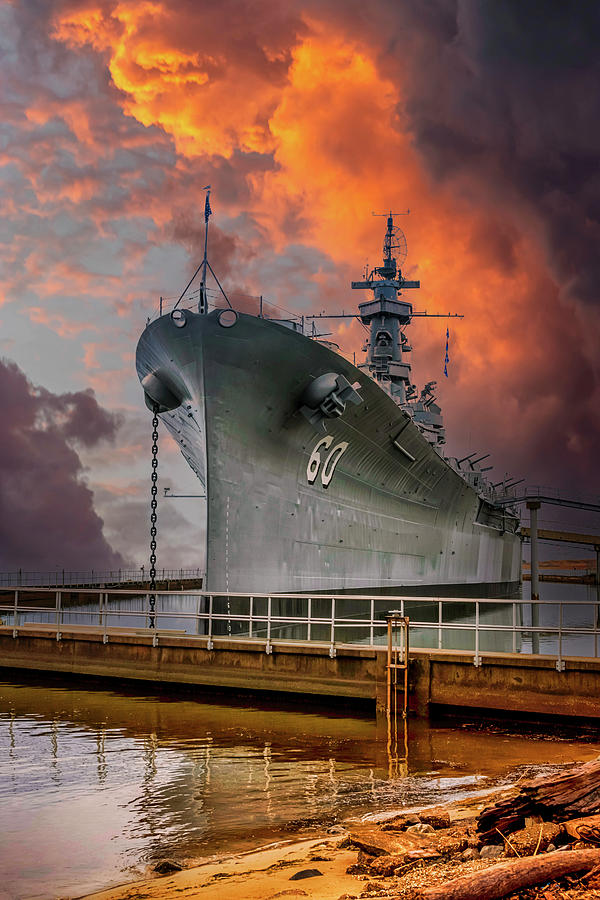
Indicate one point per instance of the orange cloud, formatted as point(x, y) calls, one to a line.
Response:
point(211, 101)
point(327, 106)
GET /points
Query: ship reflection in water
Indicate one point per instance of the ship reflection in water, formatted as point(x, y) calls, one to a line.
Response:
point(95, 784)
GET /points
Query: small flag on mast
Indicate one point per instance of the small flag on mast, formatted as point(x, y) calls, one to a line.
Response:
point(447, 358)
point(207, 209)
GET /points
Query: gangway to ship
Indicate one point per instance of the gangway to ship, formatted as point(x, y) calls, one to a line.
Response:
point(543, 494)
point(567, 537)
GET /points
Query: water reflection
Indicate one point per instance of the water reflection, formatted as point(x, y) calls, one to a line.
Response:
point(102, 782)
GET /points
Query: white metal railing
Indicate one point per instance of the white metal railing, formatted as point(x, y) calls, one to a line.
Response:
point(474, 626)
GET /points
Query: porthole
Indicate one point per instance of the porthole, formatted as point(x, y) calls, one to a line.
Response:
point(227, 318)
point(178, 318)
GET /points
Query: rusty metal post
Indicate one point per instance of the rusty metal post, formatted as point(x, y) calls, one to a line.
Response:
point(406, 649)
point(397, 660)
point(388, 704)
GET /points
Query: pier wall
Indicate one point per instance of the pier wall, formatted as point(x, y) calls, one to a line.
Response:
point(507, 683)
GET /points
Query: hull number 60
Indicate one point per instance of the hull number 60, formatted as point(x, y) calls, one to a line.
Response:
point(323, 461)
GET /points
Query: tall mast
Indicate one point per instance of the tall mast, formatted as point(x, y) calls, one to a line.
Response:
point(386, 314)
point(203, 303)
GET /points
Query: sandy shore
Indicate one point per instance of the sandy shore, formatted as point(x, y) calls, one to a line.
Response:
point(260, 875)
point(268, 873)
point(378, 856)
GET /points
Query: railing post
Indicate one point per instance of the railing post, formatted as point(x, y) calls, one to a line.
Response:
point(268, 648)
point(533, 507)
point(58, 615)
point(560, 664)
point(597, 606)
point(332, 635)
point(372, 622)
point(198, 604)
point(250, 613)
point(308, 631)
point(514, 627)
point(16, 615)
point(440, 641)
point(105, 619)
point(209, 643)
point(596, 631)
point(477, 658)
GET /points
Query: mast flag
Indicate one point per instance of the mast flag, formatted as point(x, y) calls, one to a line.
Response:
point(207, 209)
point(447, 358)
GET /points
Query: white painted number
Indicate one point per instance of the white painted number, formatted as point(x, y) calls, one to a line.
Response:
point(314, 463)
point(329, 463)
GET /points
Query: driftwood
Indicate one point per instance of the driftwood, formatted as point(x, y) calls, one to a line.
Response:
point(586, 829)
point(506, 878)
point(572, 794)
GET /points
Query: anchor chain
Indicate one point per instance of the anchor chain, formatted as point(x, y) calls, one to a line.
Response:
point(153, 505)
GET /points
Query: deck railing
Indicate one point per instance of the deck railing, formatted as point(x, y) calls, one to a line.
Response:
point(475, 626)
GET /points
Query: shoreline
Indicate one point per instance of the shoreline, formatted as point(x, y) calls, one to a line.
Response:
point(263, 873)
point(386, 854)
point(266, 873)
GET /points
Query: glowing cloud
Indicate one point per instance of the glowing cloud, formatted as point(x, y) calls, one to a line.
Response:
point(212, 91)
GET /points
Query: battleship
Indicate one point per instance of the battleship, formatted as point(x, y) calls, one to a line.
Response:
point(321, 475)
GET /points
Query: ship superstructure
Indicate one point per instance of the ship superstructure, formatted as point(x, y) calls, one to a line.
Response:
point(387, 315)
point(321, 475)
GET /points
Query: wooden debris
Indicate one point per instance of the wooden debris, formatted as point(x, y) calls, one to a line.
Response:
point(585, 829)
point(436, 816)
point(507, 877)
point(572, 794)
point(378, 843)
point(387, 865)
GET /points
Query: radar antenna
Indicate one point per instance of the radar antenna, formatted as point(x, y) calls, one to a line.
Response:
point(394, 245)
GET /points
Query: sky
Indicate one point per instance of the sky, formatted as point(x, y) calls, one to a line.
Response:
point(480, 116)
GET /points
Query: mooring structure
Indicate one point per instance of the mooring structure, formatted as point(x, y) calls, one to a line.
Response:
point(468, 653)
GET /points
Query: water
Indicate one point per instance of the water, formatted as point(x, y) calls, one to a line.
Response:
point(581, 613)
point(97, 784)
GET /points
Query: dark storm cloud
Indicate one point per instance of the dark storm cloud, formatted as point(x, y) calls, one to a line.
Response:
point(118, 113)
point(509, 96)
point(47, 516)
point(77, 416)
point(503, 103)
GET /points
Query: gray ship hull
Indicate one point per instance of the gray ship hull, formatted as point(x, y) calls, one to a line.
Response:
point(293, 506)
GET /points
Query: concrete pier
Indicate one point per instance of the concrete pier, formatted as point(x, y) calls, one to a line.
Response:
point(507, 683)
